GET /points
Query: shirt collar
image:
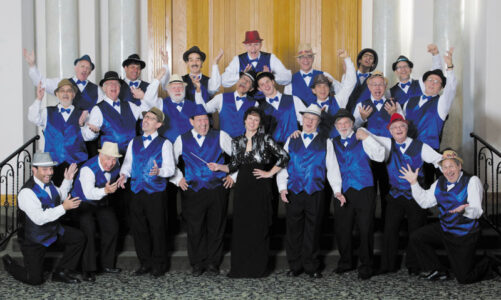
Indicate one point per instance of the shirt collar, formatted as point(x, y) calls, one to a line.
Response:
point(59, 106)
point(259, 56)
point(40, 183)
point(153, 135)
point(109, 101)
point(127, 80)
point(382, 98)
point(279, 95)
point(302, 72)
point(235, 95)
point(195, 133)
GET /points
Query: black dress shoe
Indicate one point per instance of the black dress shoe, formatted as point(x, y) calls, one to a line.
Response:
point(212, 270)
point(88, 276)
point(142, 270)
point(341, 270)
point(157, 273)
point(197, 271)
point(7, 261)
point(293, 273)
point(315, 275)
point(364, 274)
point(64, 276)
point(434, 275)
point(112, 270)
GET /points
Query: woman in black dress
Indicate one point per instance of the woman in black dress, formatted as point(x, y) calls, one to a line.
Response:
point(252, 209)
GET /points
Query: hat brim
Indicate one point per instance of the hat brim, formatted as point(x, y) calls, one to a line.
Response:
point(110, 78)
point(45, 164)
point(187, 54)
point(72, 86)
point(311, 112)
point(177, 81)
point(394, 65)
point(265, 74)
point(252, 41)
point(79, 59)
point(129, 61)
point(438, 73)
point(397, 120)
point(362, 52)
point(110, 154)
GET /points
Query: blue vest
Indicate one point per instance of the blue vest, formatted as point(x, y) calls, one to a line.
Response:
point(64, 140)
point(327, 119)
point(397, 160)
point(456, 224)
point(284, 119)
point(306, 166)
point(232, 121)
point(303, 91)
point(354, 164)
point(86, 99)
point(191, 89)
point(401, 97)
point(47, 233)
point(93, 164)
point(142, 162)
point(426, 120)
point(117, 128)
point(359, 94)
point(196, 173)
point(176, 122)
point(378, 120)
point(264, 60)
point(126, 94)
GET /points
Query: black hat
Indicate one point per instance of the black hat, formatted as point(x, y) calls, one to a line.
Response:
point(343, 113)
point(84, 57)
point(437, 72)
point(399, 59)
point(265, 74)
point(110, 75)
point(134, 59)
point(251, 74)
point(361, 53)
point(193, 49)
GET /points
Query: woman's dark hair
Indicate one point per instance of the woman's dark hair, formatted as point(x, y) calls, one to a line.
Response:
point(256, 112)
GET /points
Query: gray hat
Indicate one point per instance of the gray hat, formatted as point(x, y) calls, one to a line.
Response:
point(43, 159)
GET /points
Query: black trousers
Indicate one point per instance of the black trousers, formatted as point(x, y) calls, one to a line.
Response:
point(205, 215)
point(304, 215)
point(381, 183)
point(88, 214)
point(359, 208)
point(147, 223)
point(34, 254)
point(397, 209)
point(460, 252)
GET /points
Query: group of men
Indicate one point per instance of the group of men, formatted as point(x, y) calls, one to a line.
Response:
point(161, 143)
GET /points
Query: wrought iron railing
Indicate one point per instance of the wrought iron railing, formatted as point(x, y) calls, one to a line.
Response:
point(15, 170)
point(487, 166)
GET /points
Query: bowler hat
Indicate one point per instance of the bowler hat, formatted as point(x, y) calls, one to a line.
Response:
point(134, 59)
point(437, 72)
point(193, 49)
point(361, 53)
point(252, 37)
point(110, 75)
point(84, 57)
point(399, 59)
point(343, 113)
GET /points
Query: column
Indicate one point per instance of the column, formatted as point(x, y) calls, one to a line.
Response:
point(123, 32)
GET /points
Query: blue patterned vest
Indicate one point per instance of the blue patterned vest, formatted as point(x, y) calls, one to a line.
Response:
point(232, 120)
point(142, 162)
point(426, 120)
point(378, 120)
point(117, 128)
point(456, 224)
point(354, 164)
point(303, 91)
point(306, 167)
point(63, 140)
point(401, 97)
point(86, 99)
point(176, 122)
point(284, 119)
point(93, 164)
point(397, 160)
point(196, 173)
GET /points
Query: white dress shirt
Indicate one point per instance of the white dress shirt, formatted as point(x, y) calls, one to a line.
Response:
point(232, 72)
point(426, 198)
point(32, 206)
point(224, 143)
point(333, 173)
point(88, 181)
point(214, 80)
point(298, 105)
point(151, 98)
point(371, 147)
point(358, 118)
point(436, 63)
point(216, 103)
point(168, 166)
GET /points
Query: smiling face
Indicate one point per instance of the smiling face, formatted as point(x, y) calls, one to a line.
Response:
point(244, 85)
point(344, 126)
point(398, 130)
point(111, 89)
point(433, 85)
point(176, 91)
point(403, 71)
point(252, 122)
point(132, 71)
point(377, 87)
point(150, 123)
point(451, 169)
point(253, 49)
point(194, 63)
point(322, 91)
point(107, 162)
point(200, 124)
point(65, 94)
point(267, 86)
point(305, 61)
point(310, 122)
point(44, 174)
point(366, 61)
point(83, 70)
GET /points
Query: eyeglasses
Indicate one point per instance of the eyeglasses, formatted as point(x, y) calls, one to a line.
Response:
point(377, 84)
point(66, 91)
point(306, 56)
point(434, 81)
point(402, 67)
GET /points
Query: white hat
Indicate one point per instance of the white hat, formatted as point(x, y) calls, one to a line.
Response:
point(177, 78)
point(313, 109)
point(110, 149)
point(43, 159)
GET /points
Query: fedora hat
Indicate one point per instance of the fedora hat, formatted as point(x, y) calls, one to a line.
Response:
point(64, 82)
point(84, 57)
point(134, 59)
point(399, 59)
point(43, 159)
point(450, 154)
point(252, 37)
point(193, 49)
point(157, 112)
point(304, 49)
point(110, 149)
point(110, 75)
point(176, 78)
point(313, 109)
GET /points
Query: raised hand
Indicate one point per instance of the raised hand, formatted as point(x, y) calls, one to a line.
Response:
point(71, 203)
point(110, 188)
point(219, 56)
point(295, 134)
point(448, 57)
point(165, 57)
point(248, 67)
point(228, 182)
point(361, 134)
point(408, 174)
point(342, 53)
point(70, 171)
point(196, 82)
point(283, 196)
point(154, 170)
point(137, 93)
point(40, 91)
point(29, 57)
point(390, 107)
point(341, 198)
point(266, 69)
point(433, 49)
point(365, 111)
point(160, 73)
